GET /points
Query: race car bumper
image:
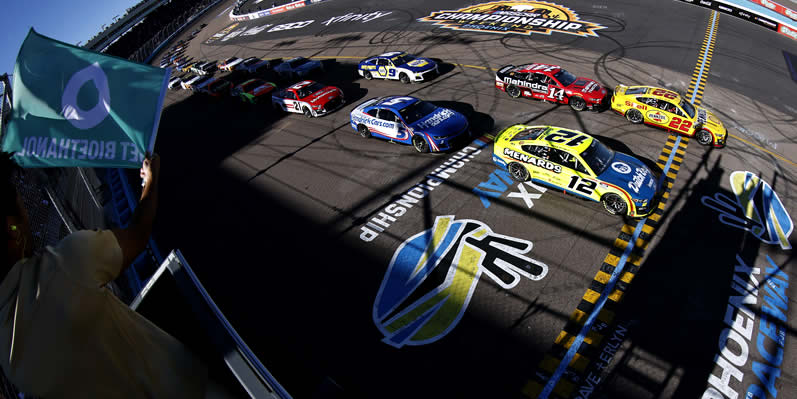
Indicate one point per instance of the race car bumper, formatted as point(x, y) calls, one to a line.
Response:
point(454, 141)
point(720, 143)
point(330, 106)
point(425, 75)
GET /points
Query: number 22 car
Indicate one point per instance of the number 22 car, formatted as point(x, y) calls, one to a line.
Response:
point(666, 109)
point(577, 164)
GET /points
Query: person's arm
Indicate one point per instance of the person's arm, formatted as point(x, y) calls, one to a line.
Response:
point(133, 239)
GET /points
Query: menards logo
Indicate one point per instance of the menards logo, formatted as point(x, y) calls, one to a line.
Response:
point(519, 17)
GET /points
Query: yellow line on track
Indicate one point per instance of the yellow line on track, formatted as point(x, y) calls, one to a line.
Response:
point(776, 155)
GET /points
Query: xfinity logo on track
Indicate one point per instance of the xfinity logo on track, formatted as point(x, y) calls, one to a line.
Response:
point(519, 17)
point(433, 274)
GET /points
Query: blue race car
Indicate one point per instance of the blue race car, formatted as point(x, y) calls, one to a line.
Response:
point(397, 65)
point(298, 68)
point(409, 120)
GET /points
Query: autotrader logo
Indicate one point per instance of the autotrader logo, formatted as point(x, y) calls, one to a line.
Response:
point(519, 17)
point(433, 274)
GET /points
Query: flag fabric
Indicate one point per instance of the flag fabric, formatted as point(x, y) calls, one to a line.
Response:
point(75, 107)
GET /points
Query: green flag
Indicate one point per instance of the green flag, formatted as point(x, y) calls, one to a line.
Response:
point(75, 107)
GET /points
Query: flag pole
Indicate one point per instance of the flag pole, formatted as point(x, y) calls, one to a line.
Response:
point(5, 111)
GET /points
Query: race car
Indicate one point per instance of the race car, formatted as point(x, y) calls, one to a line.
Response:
point(298, 68)
point(253, 91)
point(409, 120)
point(666, 109)
point(192, 83)
point(309, 98)
point(229, 64)
point(577, 164)
point(256, 65)
point(215, 87)
point(175, 81)
point(551, 83)
point(204, 68)
point(397, 65)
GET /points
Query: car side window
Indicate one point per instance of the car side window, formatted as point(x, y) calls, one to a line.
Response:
point(560, 157)
point(647, 100)
point(289, 95)
point(520, 76)
point(381, 62)
point(578, 166)
point(540, 78)
point(373, 112)
point(666, 106)
point(679, 112)
point(386, 115)
point(537, 150)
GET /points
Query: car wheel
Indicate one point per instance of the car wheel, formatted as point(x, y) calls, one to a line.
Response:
point(364, 132)
point(704, 137)
point(518, 172)
point(420, 144)
point(306, 111)
point(367, 75)
point(513, 91)
point(634, 116)
point(614, 204)
point(404, 78)
point(577, 103)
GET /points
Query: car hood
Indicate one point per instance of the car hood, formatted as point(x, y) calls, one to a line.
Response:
point(587, 86)
point(441, 122)
point(323, 95)
point(419, 64)
point(709, 120)
point(308, 65)
point(631, 175)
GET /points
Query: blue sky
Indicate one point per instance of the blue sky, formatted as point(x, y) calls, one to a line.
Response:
point(69, 21)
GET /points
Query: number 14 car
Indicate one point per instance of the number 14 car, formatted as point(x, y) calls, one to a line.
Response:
point(550, 83)
point(577, 164)
point(666, 109)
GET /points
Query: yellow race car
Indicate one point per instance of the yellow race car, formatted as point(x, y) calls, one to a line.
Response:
point(666, 109)
point(578, 164)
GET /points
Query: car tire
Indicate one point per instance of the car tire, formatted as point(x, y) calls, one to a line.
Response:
point(614, 204)
point(404, 78)
point(634, 116)
point(577, 103)
point(306, 111)
point(419, 143)
point(367, 75)
point(513, 91)
point(364, 132)
point(518, 172)
point(704, 137)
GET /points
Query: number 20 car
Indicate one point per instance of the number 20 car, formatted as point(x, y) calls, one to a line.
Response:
point(577, 164)
point(666, 109)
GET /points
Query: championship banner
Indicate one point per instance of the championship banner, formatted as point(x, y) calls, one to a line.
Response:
point(75, 107)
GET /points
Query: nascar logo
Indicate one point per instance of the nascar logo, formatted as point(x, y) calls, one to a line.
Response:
point(433, 274)
point(757, 209)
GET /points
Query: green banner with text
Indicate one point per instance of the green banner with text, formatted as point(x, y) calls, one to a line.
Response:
point(75, 107)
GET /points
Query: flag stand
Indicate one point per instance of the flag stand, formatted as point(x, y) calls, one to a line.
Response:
point(5, 105)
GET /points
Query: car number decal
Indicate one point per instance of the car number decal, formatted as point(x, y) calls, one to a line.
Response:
point(562, 137)
point(583, 186)
point(680, 124)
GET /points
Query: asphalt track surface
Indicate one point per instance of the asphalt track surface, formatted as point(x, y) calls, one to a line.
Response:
point(268, 208)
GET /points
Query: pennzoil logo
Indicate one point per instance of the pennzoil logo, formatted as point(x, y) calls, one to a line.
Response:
point(756, 209)
point(433, 274)
point(519, 17)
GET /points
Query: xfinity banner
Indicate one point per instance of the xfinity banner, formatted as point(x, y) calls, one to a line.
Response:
point(74, 107)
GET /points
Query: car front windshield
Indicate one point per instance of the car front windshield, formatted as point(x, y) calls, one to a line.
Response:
point(597, 156)
point(688, 107)
point(416, 111)
point(564, 77)
point(403, 59)
point(312, 88)
point(299, 62)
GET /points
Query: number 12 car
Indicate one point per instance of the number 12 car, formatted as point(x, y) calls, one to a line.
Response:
point(666, 109)
point(577, 164)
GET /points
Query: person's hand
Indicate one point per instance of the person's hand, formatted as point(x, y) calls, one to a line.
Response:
point(150, 170)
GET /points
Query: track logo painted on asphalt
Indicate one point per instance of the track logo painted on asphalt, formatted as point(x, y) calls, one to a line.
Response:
point(757, 209)
point(433, 274)
point(518, 17)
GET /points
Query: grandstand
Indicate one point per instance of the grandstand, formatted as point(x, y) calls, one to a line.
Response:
point(102, 40)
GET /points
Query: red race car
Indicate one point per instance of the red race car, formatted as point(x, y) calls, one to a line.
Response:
point(551, 83)
point(254, 91)
point(309, 98)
